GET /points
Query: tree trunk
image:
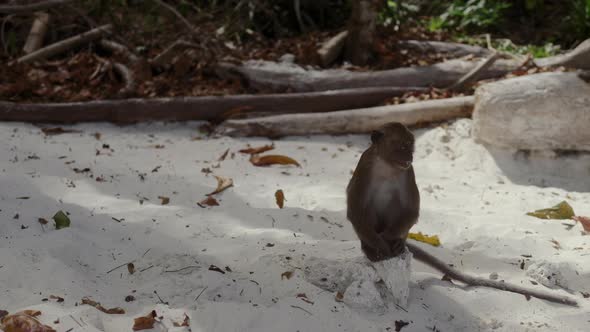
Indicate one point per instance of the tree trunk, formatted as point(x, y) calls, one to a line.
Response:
point(361, 31)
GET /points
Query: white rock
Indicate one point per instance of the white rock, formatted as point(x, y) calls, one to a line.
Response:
point(536, 112)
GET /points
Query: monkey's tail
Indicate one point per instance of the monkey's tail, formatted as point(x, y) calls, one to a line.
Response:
point(425, 257)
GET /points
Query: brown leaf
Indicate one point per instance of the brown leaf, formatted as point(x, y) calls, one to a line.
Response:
point(286, 275)
point(209, 201)
point(130, 268)
point(165, 200)
point(185, 322)
point(145, 322)
point(585, 221)
point(97, 135)
point(304, 298)
point(339, 297)
point(111, 311)
point(257, 150)
point(272, 159)
point(222, 184)
point(42, 221)
point(24, 321)
point(57, 131)
point(223, 156)
point(280, 198)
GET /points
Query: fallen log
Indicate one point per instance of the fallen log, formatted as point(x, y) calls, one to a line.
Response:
point(349, 122)
point(576, 58)
point(455, 50)
point(66, 44)
point(195, 108)
point(290, 77)
point(32, 7)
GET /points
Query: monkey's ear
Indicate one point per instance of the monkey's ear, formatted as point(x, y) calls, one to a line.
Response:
point(376, 135)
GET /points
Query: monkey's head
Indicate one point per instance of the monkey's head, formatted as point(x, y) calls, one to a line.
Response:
point(395, 144)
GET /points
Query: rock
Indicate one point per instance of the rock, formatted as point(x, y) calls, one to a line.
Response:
point(547, 111)
point(364, 284)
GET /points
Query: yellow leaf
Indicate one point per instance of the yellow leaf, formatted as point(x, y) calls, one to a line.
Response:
point(432, 240)
point(272, 159)
point(560, 211)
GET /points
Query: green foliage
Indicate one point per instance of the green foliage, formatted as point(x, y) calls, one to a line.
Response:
point(397, 12)
point(579, 18)
point(507, 46)
point(476, 14)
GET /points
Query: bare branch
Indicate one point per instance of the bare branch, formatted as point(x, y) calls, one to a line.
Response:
point(29, 8)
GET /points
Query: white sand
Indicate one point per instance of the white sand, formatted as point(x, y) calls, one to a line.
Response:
point(473, 198)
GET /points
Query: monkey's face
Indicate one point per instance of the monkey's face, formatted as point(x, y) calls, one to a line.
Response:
point(395, 144)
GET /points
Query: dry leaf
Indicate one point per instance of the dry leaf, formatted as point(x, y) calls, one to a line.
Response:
point(286, 275)
point(165, 200)
point(585, 221)
point(209, 201)
point(57, 131)
point(339, 297)
point(97, 135)
point(24, 321)
point(185, 322)
point(432, 240)
point(59, 299)
point(111, 311)
point(216, 269)
point(560, 211)
point(280, 197)
point(222, 184)
point(130, 268)
point(272, 159)
point(145, 322)
point(304, 298)
point(222, 158)
point(42, 221)
point(258, 150)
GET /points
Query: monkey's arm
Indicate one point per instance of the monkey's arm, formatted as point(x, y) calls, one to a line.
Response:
point(423, 256)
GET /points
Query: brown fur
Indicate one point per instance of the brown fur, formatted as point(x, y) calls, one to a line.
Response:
point(383, 203)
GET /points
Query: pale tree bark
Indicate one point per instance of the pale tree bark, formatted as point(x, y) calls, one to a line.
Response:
point(361, 31)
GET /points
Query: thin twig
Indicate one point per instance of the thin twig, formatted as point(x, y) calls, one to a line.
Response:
point(147, 268)
point(294, 306)
point(181, 269)
point(120, 266)
point(202, 290)
point(472, 75)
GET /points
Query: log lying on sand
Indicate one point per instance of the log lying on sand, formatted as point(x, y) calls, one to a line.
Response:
point(285, 76)
point(195, 108)
point(349, 122)
point(456, 50)
point(577, 58)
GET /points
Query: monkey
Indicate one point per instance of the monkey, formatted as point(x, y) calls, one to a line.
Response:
point(383, 204)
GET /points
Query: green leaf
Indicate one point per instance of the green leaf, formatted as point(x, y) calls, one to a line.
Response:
point(61, 220)
point(560, 211)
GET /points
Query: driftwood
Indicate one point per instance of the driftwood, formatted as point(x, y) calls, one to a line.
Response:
point(577, 58)
point(118, 48)
point(332, 48)
point(455, 50)
point(474, 73)
point(284, 76)
point(128, 78)
point(37, 33)
point(195, 108)
point(32, 7)
point(66, 44)
point(350, 122)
